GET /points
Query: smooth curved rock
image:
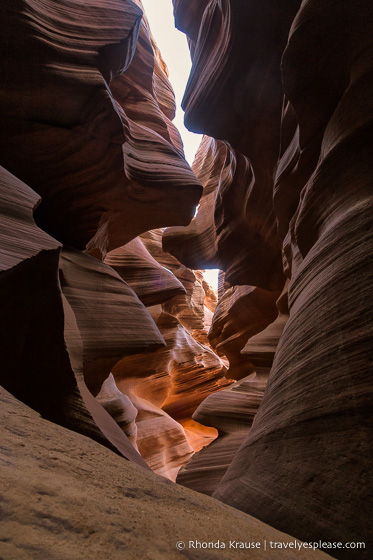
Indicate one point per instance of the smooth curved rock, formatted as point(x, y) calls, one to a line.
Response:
point(232, 411)
point(112, 514)
point(193, 309)
point(104, 177)
point(85, 115)
point(235, 95)
point(317, 400)
point(175, 379)
point(235, 228)
point(304, 463)
point(120, 408)
point(242, 312)
point(111, 319)
point(44, 352)
point(168, 384)
point(151, 281)
point(160, 440)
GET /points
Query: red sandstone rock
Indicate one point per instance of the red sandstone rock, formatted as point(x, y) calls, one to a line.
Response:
point(89, 127)
point(160, 440)
point(231, 328)
point(168, 384)
point(120, 408)
point(107, 312)
point(179, 376)
point(104, 175)
point(316, 402)
point(232, 410)
point(235, 225)
point(49, 346)
point(92, 134)
point(151, 281)
point(235, 94)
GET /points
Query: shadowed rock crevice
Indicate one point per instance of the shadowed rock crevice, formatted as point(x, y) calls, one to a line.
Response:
point(257, 394)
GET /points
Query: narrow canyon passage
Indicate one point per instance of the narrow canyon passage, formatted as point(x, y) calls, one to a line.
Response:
point(169, 318)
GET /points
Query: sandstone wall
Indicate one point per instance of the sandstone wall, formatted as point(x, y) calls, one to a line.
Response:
point(287, 88)
point(106, 329)
point(91, 160)
point(66, 497)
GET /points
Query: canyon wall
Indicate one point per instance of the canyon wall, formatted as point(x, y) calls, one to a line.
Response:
point(91, 163)
point(107, 326)
point(284, 93)
point(66, 497)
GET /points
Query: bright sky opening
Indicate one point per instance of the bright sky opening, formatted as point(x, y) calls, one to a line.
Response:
point(174, 48)
point(212, 277)
point(175, 52)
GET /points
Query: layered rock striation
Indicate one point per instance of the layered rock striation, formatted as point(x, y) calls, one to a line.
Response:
point(85, 122)
point(72, 498)
point(87, 125)
point(167, 385)
point(304, 127)
point(91, 160)
point(55, 323)
point(107, 327)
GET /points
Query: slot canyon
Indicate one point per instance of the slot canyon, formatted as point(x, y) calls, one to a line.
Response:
point(145, 413)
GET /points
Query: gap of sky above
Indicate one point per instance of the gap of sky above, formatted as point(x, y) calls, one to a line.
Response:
point(175, 52)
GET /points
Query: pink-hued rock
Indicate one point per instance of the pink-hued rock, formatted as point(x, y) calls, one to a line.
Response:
point(111, 319)
point(317, 399)
point(151, 281)
point(160, 440)
point(46, 344)
point(64, 493)
point(168, 384)
point(283, 93)
point(234, 94)
point(120, 408)
point(293, 93)
point(86, 121)
point(175, 379)
point(232, 410)
point(82, 125)
point(231, 328)
point(235, 226)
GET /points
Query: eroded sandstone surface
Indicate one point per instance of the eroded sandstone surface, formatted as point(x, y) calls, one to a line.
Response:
point(64, 497)
point(87, 132)
point(303, 132)
point(259, 395)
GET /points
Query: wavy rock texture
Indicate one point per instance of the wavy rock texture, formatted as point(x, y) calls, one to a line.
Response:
point(235, 94)
point(319, 341)
point(317, 399)
point(52, 344)
point(86, 121)
point(283, 93)
point(235, 223)
point(152, 282)
point(231, 328)
point(111, 319)
point(159, 439)
point(170, 383)
point(104, 175)
point(232, 410)
point(110, 515)
point(120, 408)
